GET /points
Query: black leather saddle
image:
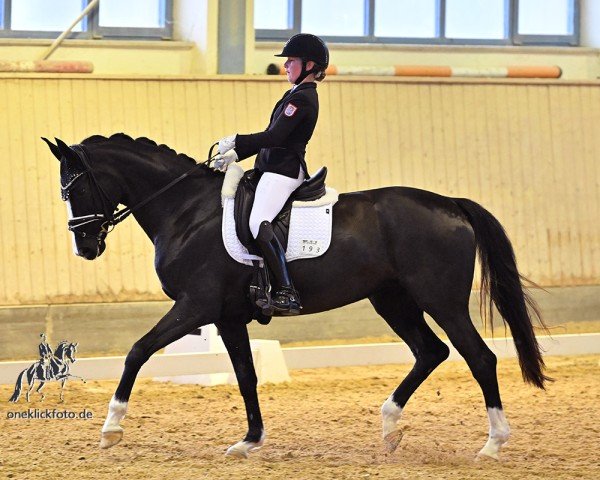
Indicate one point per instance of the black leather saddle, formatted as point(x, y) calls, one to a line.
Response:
point(311, 189)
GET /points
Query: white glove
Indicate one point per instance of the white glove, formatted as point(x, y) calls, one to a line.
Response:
point(221, 162)
point(226, 144)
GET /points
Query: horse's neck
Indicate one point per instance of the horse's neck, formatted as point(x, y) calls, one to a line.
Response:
point(141, 177)
point(141, 174)
point(58, 361)
point(58, 354)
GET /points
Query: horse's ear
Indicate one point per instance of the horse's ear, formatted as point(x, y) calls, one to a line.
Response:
point(65, 150)
point(53, 148)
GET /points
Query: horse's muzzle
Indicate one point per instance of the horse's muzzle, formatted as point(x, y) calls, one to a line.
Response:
point(93, 251)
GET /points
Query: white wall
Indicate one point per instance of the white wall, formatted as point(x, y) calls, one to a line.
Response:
point(590, 23)
point(196, 21)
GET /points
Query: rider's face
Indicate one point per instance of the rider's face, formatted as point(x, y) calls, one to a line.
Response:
point(293, 68)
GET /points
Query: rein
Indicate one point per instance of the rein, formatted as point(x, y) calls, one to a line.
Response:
point(110, 218)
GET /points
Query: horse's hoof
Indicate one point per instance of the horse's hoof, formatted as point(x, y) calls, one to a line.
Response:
point(491, 450)
point(487, 457)
point(484, 457)
point(242, 449)
point(392, 440)
point(110, 439)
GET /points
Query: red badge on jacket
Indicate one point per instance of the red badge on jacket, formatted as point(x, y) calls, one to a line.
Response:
point(290, 110)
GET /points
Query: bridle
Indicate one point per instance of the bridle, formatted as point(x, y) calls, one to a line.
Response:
point(109, 218)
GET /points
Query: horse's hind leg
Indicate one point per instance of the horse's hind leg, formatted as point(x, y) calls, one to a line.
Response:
point(29, 388)
point(39, 390)
point(183, 317)
point(457, 324)
point(401, 312)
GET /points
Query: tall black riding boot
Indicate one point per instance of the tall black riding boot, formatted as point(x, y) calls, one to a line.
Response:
point(285, 301)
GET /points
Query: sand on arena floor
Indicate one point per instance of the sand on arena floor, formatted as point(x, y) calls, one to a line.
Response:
point(324, 424)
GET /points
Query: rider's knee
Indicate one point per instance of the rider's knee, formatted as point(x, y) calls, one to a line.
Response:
point(265, 231)
point(254, 224)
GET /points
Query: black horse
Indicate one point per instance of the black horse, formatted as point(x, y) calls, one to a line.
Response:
point(57, 369)
point(408, 251)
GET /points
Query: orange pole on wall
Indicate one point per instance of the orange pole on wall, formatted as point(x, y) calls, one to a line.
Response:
point(46, 66)
point(534, 72)
point(548, 71)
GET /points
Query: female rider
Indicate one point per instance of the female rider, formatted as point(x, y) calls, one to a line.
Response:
point(281, 149)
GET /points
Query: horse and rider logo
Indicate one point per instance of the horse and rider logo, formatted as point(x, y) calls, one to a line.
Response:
point(52, 366)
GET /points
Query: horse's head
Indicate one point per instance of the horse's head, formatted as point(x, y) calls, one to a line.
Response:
point(88, 205)
point(70, 351)
point(66, 351)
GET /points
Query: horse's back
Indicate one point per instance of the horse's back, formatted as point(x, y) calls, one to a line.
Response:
point(399, 209)
point(406, 199)
point(396, 234)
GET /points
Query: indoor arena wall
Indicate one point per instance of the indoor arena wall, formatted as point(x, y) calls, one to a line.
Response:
point(525, 149)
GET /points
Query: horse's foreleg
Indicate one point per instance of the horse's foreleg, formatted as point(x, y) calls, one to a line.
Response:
point(69, 375)
point(406, 319)
point(183, 317)
point(235, 337)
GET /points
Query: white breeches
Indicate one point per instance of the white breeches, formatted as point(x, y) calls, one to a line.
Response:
point(272, 191)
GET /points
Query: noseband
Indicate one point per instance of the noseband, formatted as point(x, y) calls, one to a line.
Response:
point(107, 218)
point(110, 218)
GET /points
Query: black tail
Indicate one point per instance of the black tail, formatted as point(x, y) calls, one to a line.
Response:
point(501, 284)
point(17, 393)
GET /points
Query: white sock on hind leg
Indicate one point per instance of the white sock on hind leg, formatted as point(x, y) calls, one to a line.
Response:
point(498, 435)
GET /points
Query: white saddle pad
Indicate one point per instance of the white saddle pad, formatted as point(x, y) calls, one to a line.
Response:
point(310, 223)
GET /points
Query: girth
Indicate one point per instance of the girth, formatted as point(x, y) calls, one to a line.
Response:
point(311, 189)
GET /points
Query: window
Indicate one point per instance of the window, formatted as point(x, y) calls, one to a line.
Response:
point(151, 19)
point(560, 19)
point(31, 15)
point(334, 17)
point(272, 15)
point(495, 22)
point(483, 19)
point(405, 18)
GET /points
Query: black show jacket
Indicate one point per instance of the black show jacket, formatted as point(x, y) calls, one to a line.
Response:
point(282, 146)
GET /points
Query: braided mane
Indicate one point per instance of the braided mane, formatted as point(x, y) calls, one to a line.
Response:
point(122, 137)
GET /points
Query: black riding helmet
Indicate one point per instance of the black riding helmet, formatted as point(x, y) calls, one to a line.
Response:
point(307, 47)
